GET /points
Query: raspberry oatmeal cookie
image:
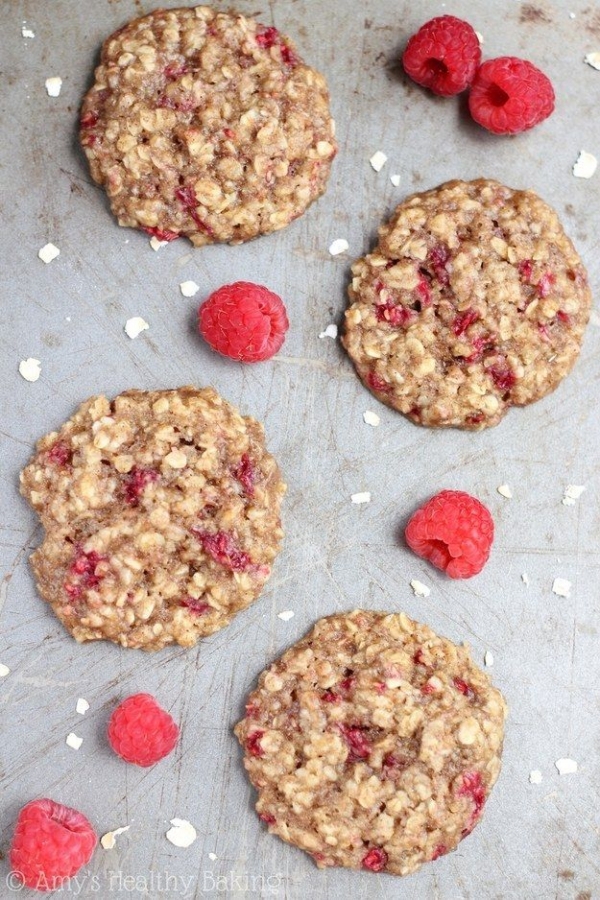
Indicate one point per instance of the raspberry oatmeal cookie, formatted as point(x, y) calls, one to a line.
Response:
point(161, 512)
point(207, 125)
point(474, 301)
point(373, 743)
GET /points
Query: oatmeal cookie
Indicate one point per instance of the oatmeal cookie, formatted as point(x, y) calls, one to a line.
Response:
point(473, 301)
point(373, 743)
point(161, 511)
point(207, 125)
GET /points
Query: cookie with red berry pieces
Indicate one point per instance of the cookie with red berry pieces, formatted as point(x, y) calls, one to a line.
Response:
point(373, 743)
point(473, 301)
point(206, 125)
point(161, 511)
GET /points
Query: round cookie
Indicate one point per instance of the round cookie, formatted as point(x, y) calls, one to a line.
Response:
point(207, 125)
point(161, 512)
point(473, 301)
point(373, 743)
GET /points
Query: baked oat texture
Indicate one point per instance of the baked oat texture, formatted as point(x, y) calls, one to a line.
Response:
point(161, 512)
point(473, 301)
point(207, 125)
point(373, 743)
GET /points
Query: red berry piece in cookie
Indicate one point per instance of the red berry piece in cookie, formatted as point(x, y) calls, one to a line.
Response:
point(142, 732)
point(510, 95)
point(244, 321)
point(454, 531)
point(443, 55)
point(51, 843)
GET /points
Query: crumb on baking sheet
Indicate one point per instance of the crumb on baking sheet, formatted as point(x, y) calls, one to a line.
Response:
point(73, 741)
point(330, 332)
point(371, 418)
point(572, 493)
point(593, 60)
point(189, 288)
point(27, 32)
point(505, 491)
point(566, 766)
point(561, 587)
point(48, 253)
point(53, 86)
point(378, 161)
point(108, 840)
point(286, 615)
point(586, 165)
point(395, 179)
point(535, 776)
point(488, 658)
point(156, 244)
point(135, 326)
point(82, 706)
point(182, 834)
point(420, 589)
point(4, 670)
point(30, 369)
point(525, 579)
point(361, 497)
point(340, 245)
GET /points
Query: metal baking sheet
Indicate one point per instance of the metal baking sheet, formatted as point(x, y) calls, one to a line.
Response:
point(535, 841)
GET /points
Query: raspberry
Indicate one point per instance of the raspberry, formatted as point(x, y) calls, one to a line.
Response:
point(454, 531)
point(359, 745)
point(224, 550)
point(375, 860)
point(135, 482)
point(246, 475)
point(509, 95)
point(142, 732)
point(244, 321)
point(443, 55)
point(51, 843)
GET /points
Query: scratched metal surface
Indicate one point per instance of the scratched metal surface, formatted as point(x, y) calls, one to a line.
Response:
point(535, 841)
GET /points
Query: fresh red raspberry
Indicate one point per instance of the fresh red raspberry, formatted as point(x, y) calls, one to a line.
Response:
point(376, 859)
point(142, 732)
point(454, 531)
point(443, 55)
point(51, 843)
point(509, 95)
point(244, 321)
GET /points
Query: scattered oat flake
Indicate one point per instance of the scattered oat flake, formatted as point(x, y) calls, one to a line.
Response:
point(74, 741)
point(363, 497)
point(371, 418)
point(480, 38)
point(330, 332)
point(561, 587)
point(212, 856)
point(286, 615)
point(488, 658)
point(378, 161)
point(525, 579)
point(189, 288)
point(505, 491)
point(108, 840)
point(30, 369)
point(586, 165)
point(156, 244)
point(48, 253)
point(572, 493)
point(53, 86)
point(420, 589)
point(135, 326)
point(535, 776)
point(27, 32)
point(395, 179)
point(182, 834)
point(4, 670)
point(339, 246)
point(566, 766)
point(593, 60)
point(82, 706)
